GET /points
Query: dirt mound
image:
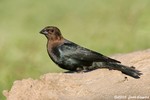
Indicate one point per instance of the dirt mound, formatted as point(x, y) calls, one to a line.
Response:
point(100, 84)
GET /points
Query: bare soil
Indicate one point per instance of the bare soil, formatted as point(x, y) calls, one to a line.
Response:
point(100, 84)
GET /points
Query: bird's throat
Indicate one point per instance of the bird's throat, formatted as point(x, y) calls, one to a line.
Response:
point(51, 43)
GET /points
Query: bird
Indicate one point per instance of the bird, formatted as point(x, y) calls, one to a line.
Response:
point(73, 57)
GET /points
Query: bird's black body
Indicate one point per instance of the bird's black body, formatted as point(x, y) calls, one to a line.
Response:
point(73, 57)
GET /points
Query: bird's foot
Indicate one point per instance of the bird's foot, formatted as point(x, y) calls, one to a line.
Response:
point(80, 70)
point(132, 67)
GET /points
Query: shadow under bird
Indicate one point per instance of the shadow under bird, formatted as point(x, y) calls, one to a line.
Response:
point(73, 57)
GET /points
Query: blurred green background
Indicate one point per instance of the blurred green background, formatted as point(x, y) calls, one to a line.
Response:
point(106, 26)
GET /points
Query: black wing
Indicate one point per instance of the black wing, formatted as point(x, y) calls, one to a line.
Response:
point(74, 51)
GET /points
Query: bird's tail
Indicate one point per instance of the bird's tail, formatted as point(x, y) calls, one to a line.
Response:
point(131, 71)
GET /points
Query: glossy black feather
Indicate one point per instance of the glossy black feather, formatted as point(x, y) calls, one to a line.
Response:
point(70, 56)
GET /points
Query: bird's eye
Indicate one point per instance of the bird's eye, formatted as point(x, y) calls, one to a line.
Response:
point(52, 30)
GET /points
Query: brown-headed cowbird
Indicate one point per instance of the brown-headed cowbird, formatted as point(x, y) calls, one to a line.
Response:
point(72, 57)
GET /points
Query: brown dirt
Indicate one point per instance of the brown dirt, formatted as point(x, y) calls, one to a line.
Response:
point(100, 84)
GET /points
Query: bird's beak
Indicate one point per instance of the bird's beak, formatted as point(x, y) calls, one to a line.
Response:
point(43, 32)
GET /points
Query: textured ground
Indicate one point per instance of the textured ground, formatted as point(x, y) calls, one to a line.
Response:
point(101, 84)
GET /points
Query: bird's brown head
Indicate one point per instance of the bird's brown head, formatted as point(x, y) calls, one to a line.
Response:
point(51, 32)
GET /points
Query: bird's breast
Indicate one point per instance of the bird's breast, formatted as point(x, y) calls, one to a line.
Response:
point(56, 55)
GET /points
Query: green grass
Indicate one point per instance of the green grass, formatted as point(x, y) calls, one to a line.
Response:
point(106, 26)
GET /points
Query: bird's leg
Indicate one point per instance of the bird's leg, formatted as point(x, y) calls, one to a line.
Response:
point(84, 69)
point(80, 70)
point(132, 67)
